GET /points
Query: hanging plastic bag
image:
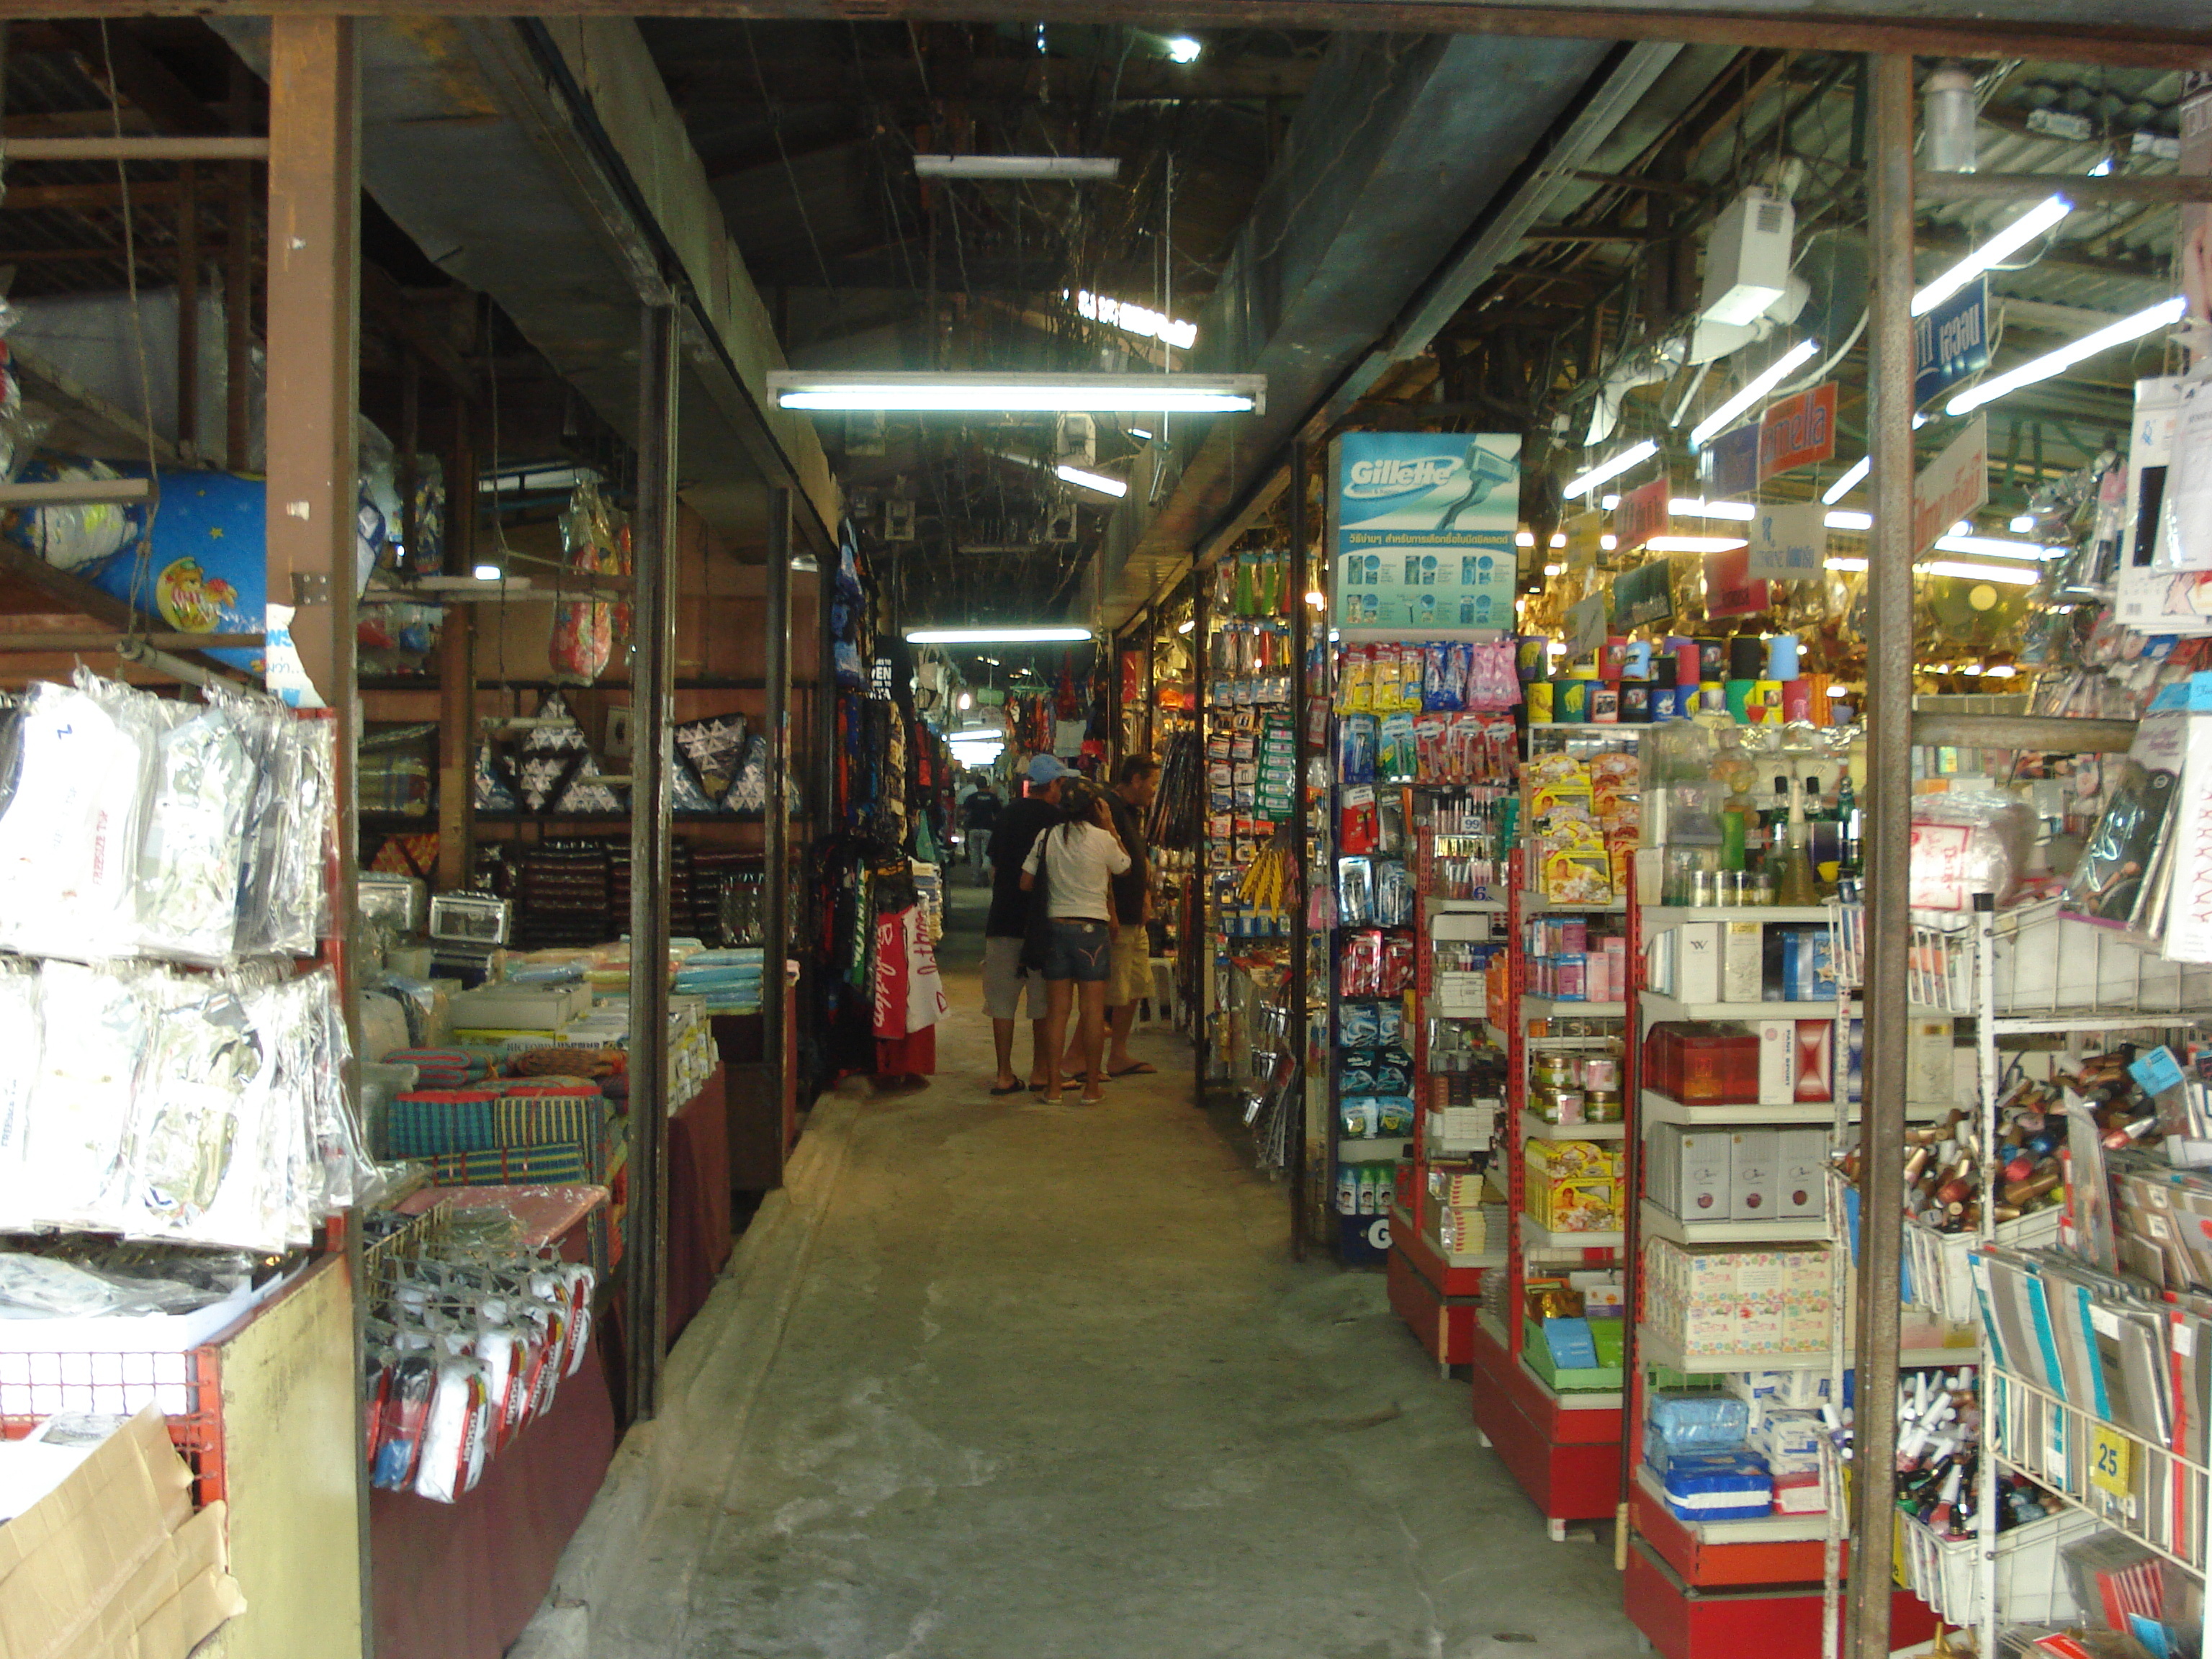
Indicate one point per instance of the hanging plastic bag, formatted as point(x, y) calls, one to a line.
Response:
point(583, 643)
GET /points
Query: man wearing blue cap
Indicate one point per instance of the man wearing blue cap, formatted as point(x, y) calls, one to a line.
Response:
point(1008, 924)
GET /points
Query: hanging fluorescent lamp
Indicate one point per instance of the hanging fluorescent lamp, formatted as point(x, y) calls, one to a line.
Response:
point(995, 635)
point(1613, 468)
point(2161, 315)
point(2017, 576)
point(1996, 547)
point(1173, 394)
point(1843, 486)
point(1694, 544)
point(2043, 215)
point(1763, 382)
point(1097, 481)
point(1689, 506)
point(1018, 166)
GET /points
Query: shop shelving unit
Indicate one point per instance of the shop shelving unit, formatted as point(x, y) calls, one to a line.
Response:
point(1696, 1590)
point(1432, 1289)
point(1562, 1446)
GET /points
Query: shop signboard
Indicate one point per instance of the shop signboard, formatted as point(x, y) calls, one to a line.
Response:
point(1952, 485)
point(1584, 533)
point(1733, 468)
point(1422, 526)
point(1642, 514)
point(1951, 341)
point(1788, 543)
point(1730, 589)
point(1586, 627)
point(1798, 431)
point(1644, 596)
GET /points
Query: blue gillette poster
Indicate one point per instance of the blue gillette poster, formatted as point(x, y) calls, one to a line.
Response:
point(1423, 525)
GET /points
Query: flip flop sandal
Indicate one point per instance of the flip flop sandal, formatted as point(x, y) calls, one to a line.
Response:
point(1012, 1088)
point(1140, 1068)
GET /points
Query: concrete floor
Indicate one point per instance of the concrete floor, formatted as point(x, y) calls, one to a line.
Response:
point(1043, 1383)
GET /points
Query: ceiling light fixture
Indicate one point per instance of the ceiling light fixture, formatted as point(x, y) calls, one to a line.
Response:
point(1689, 506)
point(1848, 519)
point(2043, 215)
point(1613, 468)
point(1842, 562)
point(1182, 48)
point(1175, 394)
point(1132, 318)
point(1018, 166)
point(1996, 547)
point(2165, 313)
point(1554, 569)
point(1097, 481)
point(2022, 524)
point(1185, 626)
point(995, 635)
point(1142, 434)
point(1757, 387)
point(488, 573)
point(1843, 486)
point(1694, 544)
point(2015, 575)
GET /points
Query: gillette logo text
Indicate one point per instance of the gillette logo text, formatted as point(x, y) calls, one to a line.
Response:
point(1390, 477)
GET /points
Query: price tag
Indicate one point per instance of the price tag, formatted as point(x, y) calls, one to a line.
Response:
point(2110, 1457)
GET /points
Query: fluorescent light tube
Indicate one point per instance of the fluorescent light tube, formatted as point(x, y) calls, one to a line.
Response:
point(1178, 394)
point(2043, 216)
point(1763, 382)
point(2161, 315)
point(1689, 506)
point(2017, 575)
point(1097, 481)
point(1845, 519)
point(1996, 547)
point(1843, 486)
point(1612, 468)
point(1018, 166)
point(1846, 562)
point(488, 573)
point(1182, 48)
point(1694, 544)
point(995, 635)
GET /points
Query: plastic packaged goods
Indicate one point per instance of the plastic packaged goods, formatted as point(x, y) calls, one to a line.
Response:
point(189, 856)
point(76, 780)
point(1967, 843)
point(21, 1039)
point(96, 1026)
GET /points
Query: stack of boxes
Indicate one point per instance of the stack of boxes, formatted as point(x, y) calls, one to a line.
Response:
point(1573, 1186)
point(1736, 1175)
point(1730, 1299)
point(1469, 1220)
point(1568, 963)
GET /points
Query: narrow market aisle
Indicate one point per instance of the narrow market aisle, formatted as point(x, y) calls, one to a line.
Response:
point(1049, 1389)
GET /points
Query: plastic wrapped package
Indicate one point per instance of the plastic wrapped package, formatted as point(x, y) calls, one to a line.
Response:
point(94, 1026)
point(283, 900)
point(190, 856)
point(88, 533)
point(178, 1150)
point(20, 1040)
point(1966, 842)
point(453, 1436)
point(76, 780)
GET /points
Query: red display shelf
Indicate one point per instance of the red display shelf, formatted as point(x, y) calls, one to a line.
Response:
point(1775, 1621)
point(1423, 1256)
point(1443, 1324)
point(1708, 1565)
point(1567, 1478)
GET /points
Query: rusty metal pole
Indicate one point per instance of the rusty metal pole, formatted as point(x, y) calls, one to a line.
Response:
point(1301, 945)
point(237, 289)
point(188, 310)
point(1888, 851)
point(653, 704)
point(776, 1034)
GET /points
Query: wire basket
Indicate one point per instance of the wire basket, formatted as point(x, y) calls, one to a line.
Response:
point(185, 1387)
point(2046, 964)
point(1945, 1572)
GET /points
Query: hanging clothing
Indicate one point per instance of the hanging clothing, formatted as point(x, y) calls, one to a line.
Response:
point(909, 994)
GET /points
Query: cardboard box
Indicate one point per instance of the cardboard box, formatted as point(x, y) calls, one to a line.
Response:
point(1800, 1160)
point(1743, 961)
point(113, 1563)
point(1931, 1074)
point(1753, 1178)
point(1698, 962)
point(1815, 1065)
point(1777, 1061)
point(1689, 1172)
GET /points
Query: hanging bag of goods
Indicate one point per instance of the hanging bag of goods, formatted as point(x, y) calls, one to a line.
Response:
point(585, 630)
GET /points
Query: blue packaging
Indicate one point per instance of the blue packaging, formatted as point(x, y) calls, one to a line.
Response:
point(1685, 1420)
point(1719, 1486)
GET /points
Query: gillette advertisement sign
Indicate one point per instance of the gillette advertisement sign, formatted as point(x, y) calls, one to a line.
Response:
point(1422, 525)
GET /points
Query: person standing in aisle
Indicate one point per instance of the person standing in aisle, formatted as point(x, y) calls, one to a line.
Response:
point(1073, 864)
point(979, 816)
point(1008, 926)
point(1129, 979)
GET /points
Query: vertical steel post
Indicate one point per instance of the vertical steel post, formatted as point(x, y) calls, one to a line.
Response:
point(188, 310)
point(776, 829)
point(653, 698)
point(237, 288)
point(1301, 642)
point(1199, 944)
point(457, 669)
point(1889, 848)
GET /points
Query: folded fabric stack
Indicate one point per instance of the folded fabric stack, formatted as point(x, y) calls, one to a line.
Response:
point(728, 980)
point(442, 1068)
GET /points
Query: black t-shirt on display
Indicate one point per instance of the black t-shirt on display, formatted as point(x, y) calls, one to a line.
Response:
point(1129, 889)
point(1018, 826)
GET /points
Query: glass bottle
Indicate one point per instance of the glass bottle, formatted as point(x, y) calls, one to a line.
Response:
point(1795, 882)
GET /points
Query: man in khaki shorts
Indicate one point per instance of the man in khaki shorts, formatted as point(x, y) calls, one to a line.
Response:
point(1129, 980)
